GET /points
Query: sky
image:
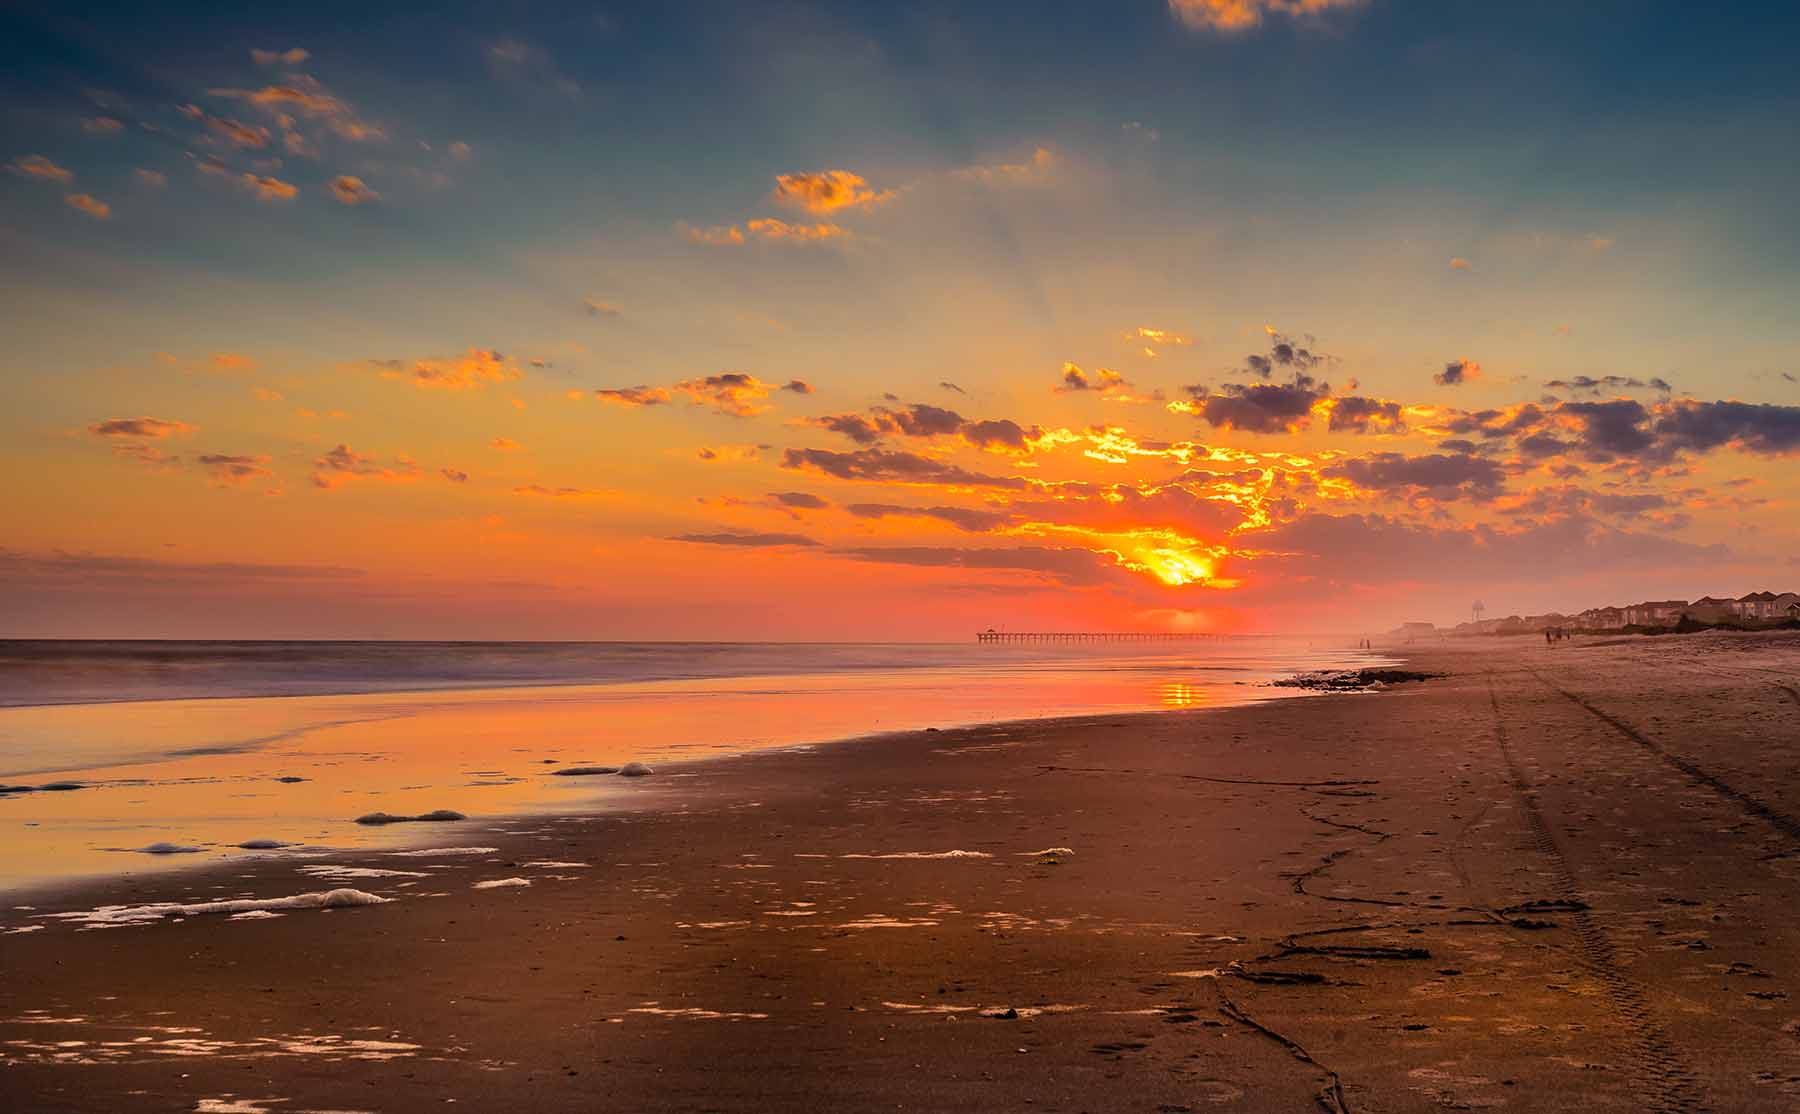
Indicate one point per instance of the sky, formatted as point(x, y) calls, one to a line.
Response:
point(852, 321)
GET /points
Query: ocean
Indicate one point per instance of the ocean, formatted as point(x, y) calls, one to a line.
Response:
point(182, 751)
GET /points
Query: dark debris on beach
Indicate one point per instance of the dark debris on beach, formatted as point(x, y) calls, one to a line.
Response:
point(1353, 680)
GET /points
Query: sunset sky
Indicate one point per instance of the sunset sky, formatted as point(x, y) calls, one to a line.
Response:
point(874, 320)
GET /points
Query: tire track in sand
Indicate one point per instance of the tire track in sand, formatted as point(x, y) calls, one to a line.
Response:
point(1662, 1078)
point(1780, 821)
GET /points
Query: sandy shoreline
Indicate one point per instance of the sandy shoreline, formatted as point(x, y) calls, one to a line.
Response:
point(1553, 878)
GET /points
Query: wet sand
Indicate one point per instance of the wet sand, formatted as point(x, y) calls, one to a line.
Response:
point(1553, 879)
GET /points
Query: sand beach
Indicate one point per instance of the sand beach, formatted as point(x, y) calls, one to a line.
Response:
point(1550, 879)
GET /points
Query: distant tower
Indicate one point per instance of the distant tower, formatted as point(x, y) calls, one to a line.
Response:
point(1478, 608)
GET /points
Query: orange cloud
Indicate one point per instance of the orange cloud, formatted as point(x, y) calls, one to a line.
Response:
point(88, 204)
point(154, 178)
point(824, 191)
point(292, 57)
point(233, 361)
point(1458, 263)
point(305, 96)
point(716, 236)
point(771, 228)
point(1032, 170)
point(729, 392)
point(102, 125)
point(1242, 15)
point(343, 464)
point(265, 188)
point(239, 134)
point(541, 491)
point(351, 190)
point(41, 168)
point(473, 369)
point(767, 229)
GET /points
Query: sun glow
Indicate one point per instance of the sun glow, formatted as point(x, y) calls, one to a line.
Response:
point(1175, 568)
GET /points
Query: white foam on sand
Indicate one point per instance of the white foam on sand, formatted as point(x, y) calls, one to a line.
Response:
point(113, 916)
point(635, 769)
point(922, 855)
point(335, 872)
point(913, 1007)
point(1050, 851)
point(695, 1014)
point(433, 852)
point(254, 915)
point(22, 928)
point(882, 920)
point(554, 865)
point(502, 883)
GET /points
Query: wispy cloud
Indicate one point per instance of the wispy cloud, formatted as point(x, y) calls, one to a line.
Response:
point(748, 541)
point(88, 204)
point(155, 428)
point(351, 190)
point(41, 168)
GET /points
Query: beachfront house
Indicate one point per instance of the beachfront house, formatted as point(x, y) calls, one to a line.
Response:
point(1601, 618)
point(1756, 605)
point(1655, 613)
point(1711, 609)
point(1787, 606)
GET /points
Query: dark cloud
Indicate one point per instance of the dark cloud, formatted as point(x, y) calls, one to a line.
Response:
point(920, 420)
point(1258, 407)
point(1752, 427)
point(454, 475)
point(1002, 432)
point(798, 386)
point(134, 572)
point(1285, 353)
point(1457, 372)
point(343, 462)
point(232, 468)
point(1104, 380)
point(639, 395)
point(1438, 476)
point(1495, 424)
point(1588, 384)
point(1360, 415)
point(886, 466)
point(1539, 445)
point(949, 386)
point(139, 427)
point(803, 499)
point(751, 541)
point(963, 518)
point(1067, 566)
point(1610, 429)
point(924, 420)
point(1569, 499)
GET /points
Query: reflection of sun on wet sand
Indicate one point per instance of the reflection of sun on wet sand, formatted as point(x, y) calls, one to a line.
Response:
point(1545, 879)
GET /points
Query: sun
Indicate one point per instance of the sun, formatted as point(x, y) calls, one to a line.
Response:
point(1175, 568)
